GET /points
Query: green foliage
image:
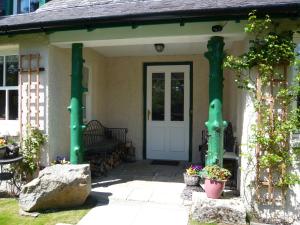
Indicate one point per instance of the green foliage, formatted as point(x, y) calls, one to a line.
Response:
point(257, 71)
point(9, 214)
point(31, 147)
point(215, 172)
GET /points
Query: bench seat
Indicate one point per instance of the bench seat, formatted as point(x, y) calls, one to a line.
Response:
point(105, 146)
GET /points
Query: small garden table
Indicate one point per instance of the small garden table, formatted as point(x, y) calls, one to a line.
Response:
point(8, 175)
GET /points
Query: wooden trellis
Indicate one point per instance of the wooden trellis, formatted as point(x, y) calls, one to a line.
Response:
point(30, 75)
point(267, 192)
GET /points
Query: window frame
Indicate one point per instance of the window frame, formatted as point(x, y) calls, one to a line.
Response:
point(9, 88)
point(87, 94)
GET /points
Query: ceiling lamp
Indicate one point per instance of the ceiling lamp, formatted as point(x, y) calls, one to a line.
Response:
point(159, 47)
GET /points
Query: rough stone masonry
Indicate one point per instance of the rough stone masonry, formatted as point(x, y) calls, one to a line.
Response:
point(228, 211)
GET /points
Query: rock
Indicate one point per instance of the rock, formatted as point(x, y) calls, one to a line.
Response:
point(56, 187)
point(228, 211)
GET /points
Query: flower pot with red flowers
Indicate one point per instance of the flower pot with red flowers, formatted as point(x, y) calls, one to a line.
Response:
point(215, 179)
point(191, 176)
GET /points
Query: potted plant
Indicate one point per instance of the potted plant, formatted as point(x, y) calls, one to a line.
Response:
point(3, 146)
point(215, 179)
point(191, 175)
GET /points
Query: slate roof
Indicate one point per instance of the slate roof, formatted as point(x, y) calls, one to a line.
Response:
point(66, 13)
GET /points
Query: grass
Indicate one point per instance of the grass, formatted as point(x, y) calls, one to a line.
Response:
point(194, 222)
point(9, 214)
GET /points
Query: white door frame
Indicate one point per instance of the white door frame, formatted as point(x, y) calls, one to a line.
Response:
point(188, 99)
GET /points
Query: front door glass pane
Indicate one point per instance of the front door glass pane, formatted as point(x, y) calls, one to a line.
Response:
point(177, 97)
point(2, 8)
point(158, 96)
point(2, 105)
point(12, 67)
point(13, 104)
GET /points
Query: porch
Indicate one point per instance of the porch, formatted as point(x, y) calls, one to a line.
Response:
point(116, 85)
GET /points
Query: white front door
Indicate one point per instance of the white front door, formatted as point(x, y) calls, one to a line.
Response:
point(168, 103)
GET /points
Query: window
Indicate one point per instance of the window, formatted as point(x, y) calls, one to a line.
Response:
point(2, 8)
point(9, 66)
point(26, 6)
point(86, 94)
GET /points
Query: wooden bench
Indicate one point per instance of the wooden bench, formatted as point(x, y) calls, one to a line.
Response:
point(102, 141)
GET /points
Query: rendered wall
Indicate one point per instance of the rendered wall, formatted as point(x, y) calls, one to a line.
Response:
point(30, 44)
point(124, 96)
point(59, 96)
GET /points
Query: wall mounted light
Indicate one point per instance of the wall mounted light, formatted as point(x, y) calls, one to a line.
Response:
point(159, 47)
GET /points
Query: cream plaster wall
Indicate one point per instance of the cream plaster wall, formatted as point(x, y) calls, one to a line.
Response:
point(59, 97)
point(124, 95)
point(60, 92)
point(30, 44)
point(97, 66)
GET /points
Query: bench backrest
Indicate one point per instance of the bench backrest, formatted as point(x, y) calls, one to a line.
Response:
point(93, 133)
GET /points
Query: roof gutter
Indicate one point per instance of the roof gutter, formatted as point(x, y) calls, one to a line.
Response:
point(276, 11)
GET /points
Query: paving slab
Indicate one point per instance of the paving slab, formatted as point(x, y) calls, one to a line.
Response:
point(136, 213)
point(139, 193)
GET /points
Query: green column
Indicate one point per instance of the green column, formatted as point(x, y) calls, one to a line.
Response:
point(9, 6)
point(76, 125)
point(215, 123)
point(42, 2)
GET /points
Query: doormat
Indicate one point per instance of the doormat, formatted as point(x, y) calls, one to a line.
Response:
point(165, 162)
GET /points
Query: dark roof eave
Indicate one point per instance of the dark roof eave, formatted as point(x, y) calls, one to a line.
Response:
point(283, 11)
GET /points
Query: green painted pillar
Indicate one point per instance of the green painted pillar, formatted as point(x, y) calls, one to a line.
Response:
point(9, 7)
point(76, 125)
point(42, 2)
point(215, 123)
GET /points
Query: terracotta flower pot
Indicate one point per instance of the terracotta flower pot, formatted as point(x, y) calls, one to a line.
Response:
point(213, 188)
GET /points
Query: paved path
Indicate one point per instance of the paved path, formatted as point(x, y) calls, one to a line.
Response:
point(139, 194)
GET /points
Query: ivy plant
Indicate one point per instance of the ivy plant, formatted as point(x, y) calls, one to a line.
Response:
point(262, 72)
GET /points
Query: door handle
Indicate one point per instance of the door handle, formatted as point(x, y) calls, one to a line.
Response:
point(149, 113)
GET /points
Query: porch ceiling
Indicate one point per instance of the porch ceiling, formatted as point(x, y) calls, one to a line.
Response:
point(190, 38)
point(149, 50)
point(175, 45)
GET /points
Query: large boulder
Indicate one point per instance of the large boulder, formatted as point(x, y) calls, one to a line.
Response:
point(56, 187)
point(227, 210)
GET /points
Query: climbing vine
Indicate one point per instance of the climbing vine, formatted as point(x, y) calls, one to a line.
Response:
point(263, 73)
point(31, 150)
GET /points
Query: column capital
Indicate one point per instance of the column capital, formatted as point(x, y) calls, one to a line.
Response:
point(215, 48)
point(77, 45)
